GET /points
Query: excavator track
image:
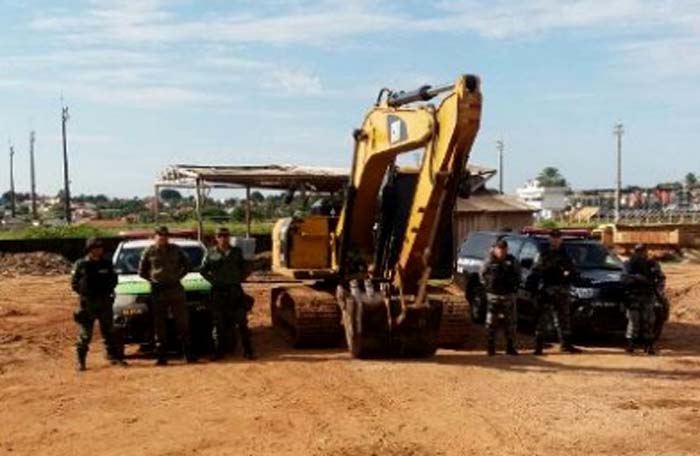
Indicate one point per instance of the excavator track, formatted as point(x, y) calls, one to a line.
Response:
point(306, 317)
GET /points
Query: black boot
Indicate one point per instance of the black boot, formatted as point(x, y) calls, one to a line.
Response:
point(567, 347)
point(539, 346)
point(81, 358)
point(190, 356)
point(510, 349)
point(630, 346)
point(649, 348)
point(162, 356)
point(491, 347)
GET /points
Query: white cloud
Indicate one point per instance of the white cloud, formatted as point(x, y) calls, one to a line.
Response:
point(294, 82)
point(134, 48)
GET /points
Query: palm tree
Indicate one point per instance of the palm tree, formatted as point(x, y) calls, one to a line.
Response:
point(551, 177)
point(691, 180)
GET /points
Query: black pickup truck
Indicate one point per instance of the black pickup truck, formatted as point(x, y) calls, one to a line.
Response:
point(598, 294)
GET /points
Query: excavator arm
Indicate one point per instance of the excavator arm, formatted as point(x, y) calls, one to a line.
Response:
point(391, 128)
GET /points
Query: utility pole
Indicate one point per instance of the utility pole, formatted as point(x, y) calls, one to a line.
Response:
point(66, 179)
point(500, 146)
point(618, 131)
point(32, 138)
point(13, 208)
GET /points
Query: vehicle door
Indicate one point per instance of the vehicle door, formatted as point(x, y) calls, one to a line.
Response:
point(527, 257)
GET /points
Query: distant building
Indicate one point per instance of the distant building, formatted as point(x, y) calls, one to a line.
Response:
point(548, 201)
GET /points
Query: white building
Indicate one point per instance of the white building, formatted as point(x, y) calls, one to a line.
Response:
point(549, 201)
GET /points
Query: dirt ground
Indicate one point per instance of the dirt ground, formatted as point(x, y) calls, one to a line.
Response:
point(324, 403)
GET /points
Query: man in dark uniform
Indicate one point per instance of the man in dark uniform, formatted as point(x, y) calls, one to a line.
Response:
point(555, 271)
point(225, 268)
point(94, 280)
point(644, 274)
point(164, 264)
point(501, 277)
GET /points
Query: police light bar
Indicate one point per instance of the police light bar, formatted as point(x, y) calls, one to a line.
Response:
point(578, 233)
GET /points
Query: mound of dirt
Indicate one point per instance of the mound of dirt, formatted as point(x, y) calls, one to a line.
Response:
point(36, 263)
point(685, 303)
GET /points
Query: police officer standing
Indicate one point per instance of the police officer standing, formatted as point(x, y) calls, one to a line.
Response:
point(644, 273)
point(94, 280)
point(555, 271)
point(501, 277)
point(225, 268)
point(164, 264)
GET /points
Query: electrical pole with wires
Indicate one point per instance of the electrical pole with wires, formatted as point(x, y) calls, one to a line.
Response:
point(500, 146)
point(66, 179)
point(32, 172)
point(13, 203)
point(618, 131)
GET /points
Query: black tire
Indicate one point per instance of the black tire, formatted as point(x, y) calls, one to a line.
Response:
point(476, 296)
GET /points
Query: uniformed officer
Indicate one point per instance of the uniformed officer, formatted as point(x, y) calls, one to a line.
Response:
point(501, 276)
point(644, 273)
point(225, 268)
point(555, 271)
point(164, 264)
point(94, 280)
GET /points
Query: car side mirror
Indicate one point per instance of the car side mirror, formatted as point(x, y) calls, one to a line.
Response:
point(526, 263)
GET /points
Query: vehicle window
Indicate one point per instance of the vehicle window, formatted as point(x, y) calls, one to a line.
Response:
point(129, 258)
point(478, 245)
point(514, 245)
point(529, 251)
point(590, 255)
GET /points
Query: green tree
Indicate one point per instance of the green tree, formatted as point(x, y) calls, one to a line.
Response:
point(691, 179)
point(551, 177)
point(168, 194)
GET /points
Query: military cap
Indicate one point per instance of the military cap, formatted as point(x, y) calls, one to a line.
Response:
point(162, 231)
point(223, 231)
point(501, 243)
point(640, 248)
point(93, 243)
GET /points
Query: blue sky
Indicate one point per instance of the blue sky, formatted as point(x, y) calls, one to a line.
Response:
point(150, 83)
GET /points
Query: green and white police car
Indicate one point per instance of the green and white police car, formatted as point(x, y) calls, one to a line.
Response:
point(132, 303)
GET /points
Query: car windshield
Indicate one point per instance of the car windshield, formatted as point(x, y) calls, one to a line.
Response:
point(590, 255)
point(128, 260)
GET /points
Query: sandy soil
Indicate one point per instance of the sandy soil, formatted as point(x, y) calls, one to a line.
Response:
point(324, 403)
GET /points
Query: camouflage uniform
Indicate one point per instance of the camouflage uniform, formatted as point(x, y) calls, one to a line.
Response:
point(225, 270)
point(94, 281)
point(555, 271)
point(164, 267)
point(501, 280)
point(641, 315)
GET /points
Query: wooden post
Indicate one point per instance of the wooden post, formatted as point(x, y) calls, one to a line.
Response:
point(198, 209)
point(247, 211)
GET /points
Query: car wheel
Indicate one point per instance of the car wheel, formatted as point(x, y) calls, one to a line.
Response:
point(477, 304)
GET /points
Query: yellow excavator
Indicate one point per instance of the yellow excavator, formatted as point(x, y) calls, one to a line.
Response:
point(366, 271)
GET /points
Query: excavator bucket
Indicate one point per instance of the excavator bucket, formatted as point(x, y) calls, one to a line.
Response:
point(378, 327)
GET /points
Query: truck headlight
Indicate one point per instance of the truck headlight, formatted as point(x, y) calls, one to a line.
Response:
point(584, 292)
